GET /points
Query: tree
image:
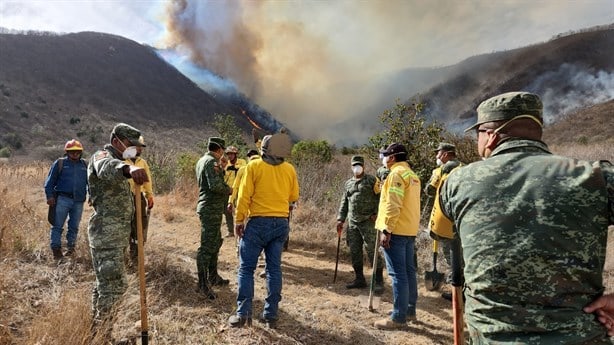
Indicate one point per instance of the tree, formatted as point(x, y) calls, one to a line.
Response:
point(311, 151)
point(227, 128)
point(407, 125)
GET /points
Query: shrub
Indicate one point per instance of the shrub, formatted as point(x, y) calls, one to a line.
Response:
point(13, 140)
point(310, 151)
point(227, 128)
point(5, 152)
point(24, 114)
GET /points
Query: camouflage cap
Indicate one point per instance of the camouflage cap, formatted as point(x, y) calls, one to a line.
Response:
point(447, 147)
point(358, 160)
point(507, 106)
point(125, 131)
point(217, 141)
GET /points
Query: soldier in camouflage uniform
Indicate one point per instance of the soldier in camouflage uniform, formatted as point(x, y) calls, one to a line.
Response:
point(533, 228)
point(359, 204)
point(109, 226)
point(212, 199)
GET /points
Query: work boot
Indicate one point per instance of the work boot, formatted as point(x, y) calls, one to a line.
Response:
point(203, 287)
point(237, 321)
point(216, 280)
point(269, 323)
point(57, 253)
point(70, 251)
point(389, 325)
point(360, 281)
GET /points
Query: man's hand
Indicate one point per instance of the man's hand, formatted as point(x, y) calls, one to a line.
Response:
point(340, 227)
point(150, 202)
point(239, 230)
point(139, 176)
point(603, 308)
point(384, 240)
point(51, 201)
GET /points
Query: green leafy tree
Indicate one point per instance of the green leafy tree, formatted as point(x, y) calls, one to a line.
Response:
point(407, 125)
point(227, 128)
point(308, 151)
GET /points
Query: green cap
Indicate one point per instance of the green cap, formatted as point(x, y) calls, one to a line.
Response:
point(507, 106)
point(125, 131)
point(447, 147)
point(217, 141)
point(358, 160)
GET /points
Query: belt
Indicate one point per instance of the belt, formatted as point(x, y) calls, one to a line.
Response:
point(68, 195)
point(268, 217)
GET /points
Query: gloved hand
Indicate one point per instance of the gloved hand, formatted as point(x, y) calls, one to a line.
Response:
point(340, 227)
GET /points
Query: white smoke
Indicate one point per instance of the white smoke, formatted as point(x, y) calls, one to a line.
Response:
point(571, 87)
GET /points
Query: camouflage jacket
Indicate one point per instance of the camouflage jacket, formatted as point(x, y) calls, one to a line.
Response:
point(360, 199)
point(533, 228)
point(212, 190)
point(110, 194)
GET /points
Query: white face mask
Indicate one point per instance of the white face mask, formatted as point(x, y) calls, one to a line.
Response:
point(357, 170)
point(385, 161)
point(129, 152)
point(439, 162)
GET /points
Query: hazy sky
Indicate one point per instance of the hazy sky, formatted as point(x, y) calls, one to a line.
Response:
point(292, 56)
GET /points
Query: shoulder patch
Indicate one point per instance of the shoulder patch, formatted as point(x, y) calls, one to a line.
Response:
point(100, 155)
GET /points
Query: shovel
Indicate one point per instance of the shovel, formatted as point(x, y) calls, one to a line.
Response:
point(433, 279)
point(141, 264)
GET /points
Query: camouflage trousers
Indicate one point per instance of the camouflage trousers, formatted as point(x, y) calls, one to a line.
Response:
point(111, 280)
point(210, 242)
point(230, 221)
point(361, 235)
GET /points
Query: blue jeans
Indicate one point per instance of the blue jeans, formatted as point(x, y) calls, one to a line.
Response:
point(402, 269)
point(268, 234)
point(66, 207)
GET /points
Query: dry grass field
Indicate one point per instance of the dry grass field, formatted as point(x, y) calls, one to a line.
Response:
point(43, 302)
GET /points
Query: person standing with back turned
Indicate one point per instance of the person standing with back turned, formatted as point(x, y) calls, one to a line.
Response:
point(267, 188)
point(533, 228)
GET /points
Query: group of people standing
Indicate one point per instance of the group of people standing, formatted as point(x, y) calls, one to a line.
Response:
point(531, 226)
point(527, 228)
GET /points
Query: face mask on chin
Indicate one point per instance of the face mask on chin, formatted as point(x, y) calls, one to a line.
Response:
point(439, 162)
point(357, 170)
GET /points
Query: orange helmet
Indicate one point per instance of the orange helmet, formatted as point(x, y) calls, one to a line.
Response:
point(73, 145)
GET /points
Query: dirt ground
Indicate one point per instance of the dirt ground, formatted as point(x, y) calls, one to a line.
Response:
point(313, 309)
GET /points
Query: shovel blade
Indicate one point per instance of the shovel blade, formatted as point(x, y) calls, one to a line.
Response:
point(433, 280)
point(364, 302)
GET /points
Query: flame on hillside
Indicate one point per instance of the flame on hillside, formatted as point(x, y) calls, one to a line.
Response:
point(254, 124)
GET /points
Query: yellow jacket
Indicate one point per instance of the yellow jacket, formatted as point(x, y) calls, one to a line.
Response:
point(399, 205)
point(266, 190)
point(231, 171)
point(147, 187)
point(237, 182)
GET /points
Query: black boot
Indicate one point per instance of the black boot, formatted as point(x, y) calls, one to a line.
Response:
point(216, 280)
point(203, 287)
point(360, 282)
point(57, 253)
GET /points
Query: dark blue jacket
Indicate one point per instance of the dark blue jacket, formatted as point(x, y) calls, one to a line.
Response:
point(71, 181)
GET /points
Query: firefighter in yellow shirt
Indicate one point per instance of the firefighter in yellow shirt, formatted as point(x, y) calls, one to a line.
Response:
point(147, 199)
point(267, 188)
point(230, 175)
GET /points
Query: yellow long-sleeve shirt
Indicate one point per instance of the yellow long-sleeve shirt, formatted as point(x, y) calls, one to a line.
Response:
point(399, 205)
point(237, 182)
point(146, 187)
point(266, 190)
point(232, 170)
